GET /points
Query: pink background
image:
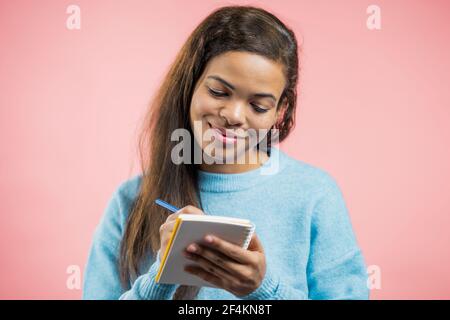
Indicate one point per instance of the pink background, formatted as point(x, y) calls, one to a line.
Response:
point(373, 111)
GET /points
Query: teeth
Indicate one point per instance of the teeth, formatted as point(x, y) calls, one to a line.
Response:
point(223, 133)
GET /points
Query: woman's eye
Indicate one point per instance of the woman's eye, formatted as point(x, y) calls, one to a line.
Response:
point(258, 108)
point(217, 93)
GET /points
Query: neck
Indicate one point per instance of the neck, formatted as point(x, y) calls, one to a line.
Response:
point(261, 157)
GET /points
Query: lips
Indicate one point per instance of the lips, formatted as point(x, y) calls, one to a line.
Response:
point(226, 136)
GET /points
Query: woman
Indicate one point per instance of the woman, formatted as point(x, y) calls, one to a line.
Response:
point(235, 77)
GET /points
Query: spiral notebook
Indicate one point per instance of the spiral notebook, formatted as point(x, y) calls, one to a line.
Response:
point(192, 228)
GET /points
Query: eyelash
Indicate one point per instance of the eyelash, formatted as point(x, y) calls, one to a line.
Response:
point(257, 108)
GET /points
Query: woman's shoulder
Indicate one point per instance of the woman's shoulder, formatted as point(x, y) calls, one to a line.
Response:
point(129, 188)
point(305, 175)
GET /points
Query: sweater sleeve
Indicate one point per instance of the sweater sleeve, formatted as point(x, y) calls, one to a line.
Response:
point(145, 287)
point(336, 268)
point(101, 276)
point(274, 288)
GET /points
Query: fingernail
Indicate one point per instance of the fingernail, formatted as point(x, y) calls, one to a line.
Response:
point(192, 248)
point(209, 239)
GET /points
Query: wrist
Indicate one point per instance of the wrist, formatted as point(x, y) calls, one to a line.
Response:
point(266, 290)
point(153, 289)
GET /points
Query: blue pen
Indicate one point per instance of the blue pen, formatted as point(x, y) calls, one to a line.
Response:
point(166, 205)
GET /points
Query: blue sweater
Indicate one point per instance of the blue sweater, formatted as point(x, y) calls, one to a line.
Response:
point(300, 217)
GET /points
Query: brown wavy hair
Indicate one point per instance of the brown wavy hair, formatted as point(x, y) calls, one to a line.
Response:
point(232, 28)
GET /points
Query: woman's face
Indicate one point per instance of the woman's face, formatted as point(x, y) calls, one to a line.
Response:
point(236, 96)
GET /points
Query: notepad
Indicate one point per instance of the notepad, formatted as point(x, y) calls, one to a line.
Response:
point(192, 228)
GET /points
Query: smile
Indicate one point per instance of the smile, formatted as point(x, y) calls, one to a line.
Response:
point(224, 135)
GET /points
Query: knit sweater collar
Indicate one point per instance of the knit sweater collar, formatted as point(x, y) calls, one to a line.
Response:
point(228, 182)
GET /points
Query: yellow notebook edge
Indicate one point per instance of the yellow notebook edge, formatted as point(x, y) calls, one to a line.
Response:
point(169, 246)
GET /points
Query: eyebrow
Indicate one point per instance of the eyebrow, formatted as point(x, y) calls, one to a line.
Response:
point(229, 85)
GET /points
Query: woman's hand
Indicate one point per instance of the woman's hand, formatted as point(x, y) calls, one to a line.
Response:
point(227, 265)
point(165, 231)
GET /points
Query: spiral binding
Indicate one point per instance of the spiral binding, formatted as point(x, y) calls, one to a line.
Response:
point(248, 236)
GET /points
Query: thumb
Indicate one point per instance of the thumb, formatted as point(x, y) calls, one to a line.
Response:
point(255, 244)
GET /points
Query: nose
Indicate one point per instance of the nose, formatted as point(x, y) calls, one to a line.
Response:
point(234, 114)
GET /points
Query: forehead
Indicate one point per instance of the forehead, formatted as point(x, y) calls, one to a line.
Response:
point(248, 72)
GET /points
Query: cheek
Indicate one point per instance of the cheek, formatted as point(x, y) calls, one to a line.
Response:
point(263, 121)
point(202, 106)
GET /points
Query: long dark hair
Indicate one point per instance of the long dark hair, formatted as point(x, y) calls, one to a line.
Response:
point(231, 28)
